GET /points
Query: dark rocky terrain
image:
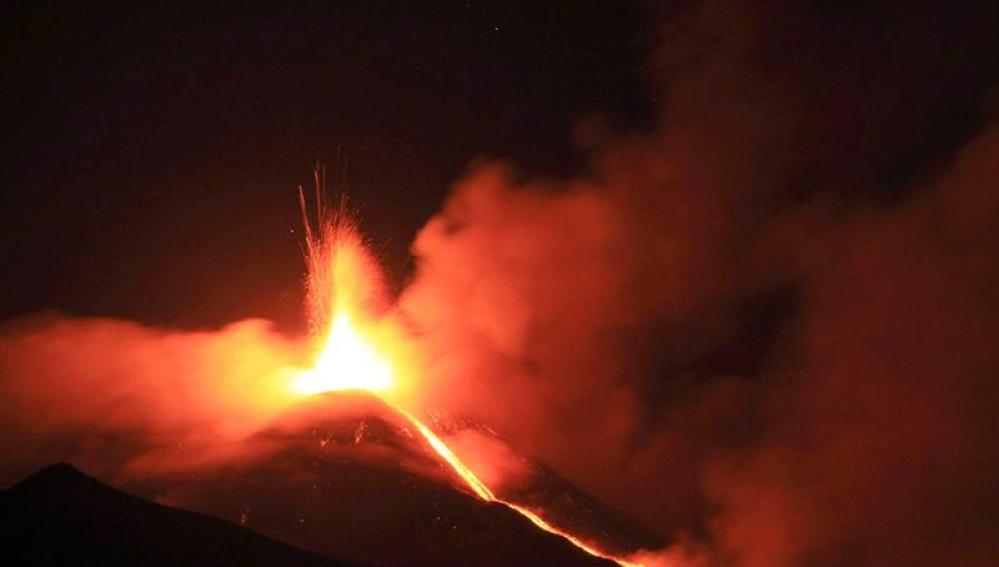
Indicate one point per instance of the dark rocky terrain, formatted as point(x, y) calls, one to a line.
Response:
point(62, 517)
point(342, 476)
point(348, 475)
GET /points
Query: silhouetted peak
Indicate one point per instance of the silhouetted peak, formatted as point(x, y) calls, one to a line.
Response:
point(58, 473)
point(60, 478)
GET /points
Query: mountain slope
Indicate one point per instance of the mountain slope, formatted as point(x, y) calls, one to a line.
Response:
point(346, 474)
point(60, 516)
point(541, 489)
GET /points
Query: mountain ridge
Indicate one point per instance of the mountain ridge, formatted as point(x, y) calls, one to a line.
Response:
point(62, 516)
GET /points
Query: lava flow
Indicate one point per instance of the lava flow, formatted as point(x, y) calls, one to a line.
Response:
point(357, 349)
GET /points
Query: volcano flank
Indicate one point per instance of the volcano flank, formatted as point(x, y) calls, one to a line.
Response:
point(347, 475)
point(342, 475)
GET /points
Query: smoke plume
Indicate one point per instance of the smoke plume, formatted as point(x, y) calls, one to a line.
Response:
point(124, 400)
point(767, 327)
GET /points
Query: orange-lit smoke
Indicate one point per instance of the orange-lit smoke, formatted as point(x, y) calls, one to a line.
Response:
point(118, 398)
point(766, 327)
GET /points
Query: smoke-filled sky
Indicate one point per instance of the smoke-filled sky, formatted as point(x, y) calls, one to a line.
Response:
point(731, 268)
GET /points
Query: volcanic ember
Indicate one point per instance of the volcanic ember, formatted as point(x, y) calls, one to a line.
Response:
point(360, 347)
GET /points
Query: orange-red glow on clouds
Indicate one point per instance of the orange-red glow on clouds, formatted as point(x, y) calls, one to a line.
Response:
point(98, 391)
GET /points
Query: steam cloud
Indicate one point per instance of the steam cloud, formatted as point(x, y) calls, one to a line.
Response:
point(766, 329)
point(123, 400)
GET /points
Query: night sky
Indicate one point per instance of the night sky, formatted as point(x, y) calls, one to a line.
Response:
point(151, 154)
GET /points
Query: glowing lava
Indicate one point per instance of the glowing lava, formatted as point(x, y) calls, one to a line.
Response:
point(347, 362)
point(345, 294)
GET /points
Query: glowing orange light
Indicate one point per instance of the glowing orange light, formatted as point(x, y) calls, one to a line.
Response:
point(344, 283)
point(445, 452)
point(347, 362)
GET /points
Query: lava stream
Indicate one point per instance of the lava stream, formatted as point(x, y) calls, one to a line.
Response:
point(483, 492)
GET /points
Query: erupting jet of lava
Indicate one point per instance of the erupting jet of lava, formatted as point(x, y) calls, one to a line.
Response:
point(354, 351)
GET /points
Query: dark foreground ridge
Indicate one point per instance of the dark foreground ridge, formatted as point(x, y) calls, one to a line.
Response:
point(60, 517)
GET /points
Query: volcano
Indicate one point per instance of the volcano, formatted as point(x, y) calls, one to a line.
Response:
point(349, 467)
point(347, 475)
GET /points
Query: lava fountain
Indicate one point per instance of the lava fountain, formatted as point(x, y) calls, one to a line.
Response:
point(360, 347)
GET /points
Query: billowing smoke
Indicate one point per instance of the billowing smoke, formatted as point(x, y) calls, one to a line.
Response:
point(767, 328)
point(121, 399)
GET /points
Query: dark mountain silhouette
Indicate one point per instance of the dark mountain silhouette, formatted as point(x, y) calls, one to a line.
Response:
point(61, 517)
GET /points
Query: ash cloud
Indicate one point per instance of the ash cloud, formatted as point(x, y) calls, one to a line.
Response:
point(766, 328)
point(125, 401)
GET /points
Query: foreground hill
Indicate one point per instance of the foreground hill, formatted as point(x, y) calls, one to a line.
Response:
point(60, 516)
